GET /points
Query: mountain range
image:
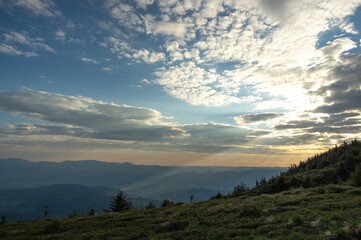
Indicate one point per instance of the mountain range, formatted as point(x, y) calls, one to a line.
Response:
point(25, 187)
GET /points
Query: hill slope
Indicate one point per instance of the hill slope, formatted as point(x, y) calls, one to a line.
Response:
point(340, 164)
point(328, 212)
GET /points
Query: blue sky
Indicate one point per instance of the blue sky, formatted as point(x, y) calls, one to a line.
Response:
point(178, 82)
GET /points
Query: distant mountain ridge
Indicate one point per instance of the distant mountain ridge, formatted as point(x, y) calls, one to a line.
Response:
point(20, 173)
point(26, 186)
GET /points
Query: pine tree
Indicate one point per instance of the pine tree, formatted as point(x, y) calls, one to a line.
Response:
point(150, 206)
point(119, 203)
point(356, 176)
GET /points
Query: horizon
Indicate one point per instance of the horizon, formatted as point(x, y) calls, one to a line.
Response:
point(179, 83)
point(126, 162)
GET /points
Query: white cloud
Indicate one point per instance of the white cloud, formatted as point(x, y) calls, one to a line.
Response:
point(264, 47)
point(169, 28)
point(23, 39)
point(38, 7)
point(144, 3)
point(60, 35)
point(89, 60)
point(147, 56)
point(7, 49)
point(198, 86)
point(108, 69)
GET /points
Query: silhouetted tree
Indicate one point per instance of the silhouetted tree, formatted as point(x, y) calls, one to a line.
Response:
point(73, 214)
point(239, 190)
point(217, 196)
point(119, 203)
point(150, 206)
point(3, 219)
point(356, 176)
point(167, 203)
point(91, 212)
point(46, 211)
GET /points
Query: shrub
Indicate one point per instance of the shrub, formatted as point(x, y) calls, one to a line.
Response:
point(150, 206)
point(297, 220)
point(167, 203)
point(217, 196)
point(73, 214)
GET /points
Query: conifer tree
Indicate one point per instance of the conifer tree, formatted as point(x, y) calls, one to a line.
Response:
point(119, 203)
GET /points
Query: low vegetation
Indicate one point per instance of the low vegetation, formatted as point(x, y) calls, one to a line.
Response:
point(319, 199)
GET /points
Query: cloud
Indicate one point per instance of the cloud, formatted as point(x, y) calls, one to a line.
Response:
point(259, 48)
point(89, 60)
point(100, 120)
point(60, 35)
point(169, 28)
point(123, 49)
point(197, 86)
point(38, 7)
point(85, 118)
point(147, 56)
point(12, 41)
point(7, 49)
point(144, 3)
point(108, 69)
point(256, 118)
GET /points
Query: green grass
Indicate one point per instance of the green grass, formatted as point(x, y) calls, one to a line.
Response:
point(327, 212)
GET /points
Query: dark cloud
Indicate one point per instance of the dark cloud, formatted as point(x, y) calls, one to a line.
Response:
point(79, 117)
point(258, 117)
point(344, 94)
point(341, 112)
point(86, 117)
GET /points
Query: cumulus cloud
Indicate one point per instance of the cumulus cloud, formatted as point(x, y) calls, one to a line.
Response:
point(144, 3)
point(169, 28)
point(198, 86)
point(268, 47)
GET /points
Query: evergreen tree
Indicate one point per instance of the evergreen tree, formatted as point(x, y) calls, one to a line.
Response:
point(167, 203)
point(356, 176)
point(91, 212)
point(150, 206)
point(119, 203)
point(3, 219)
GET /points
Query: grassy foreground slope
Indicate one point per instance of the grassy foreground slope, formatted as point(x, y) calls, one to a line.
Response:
point(327, 212)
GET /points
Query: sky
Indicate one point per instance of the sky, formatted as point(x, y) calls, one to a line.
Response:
point(179, 82)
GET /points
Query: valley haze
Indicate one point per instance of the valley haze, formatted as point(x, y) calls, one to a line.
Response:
point(25, 187)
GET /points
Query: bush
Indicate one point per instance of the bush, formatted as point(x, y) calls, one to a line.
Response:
point(217, 196)
point(297, 220)
point(150, 206)
point(167, 203)
point(73, 214)
point(356, 176)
